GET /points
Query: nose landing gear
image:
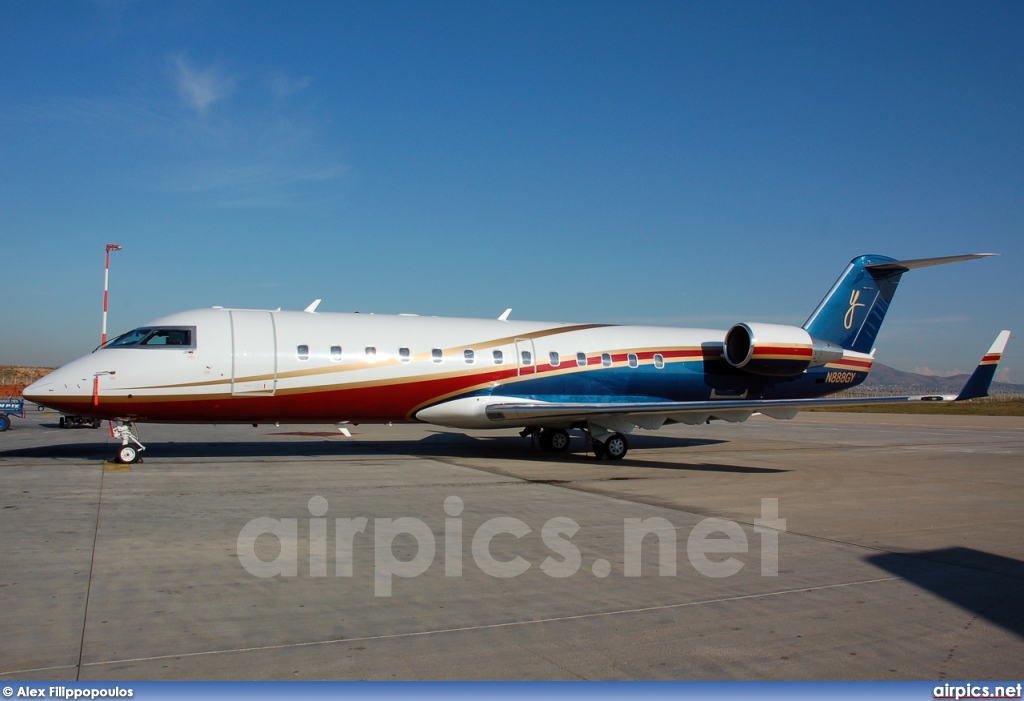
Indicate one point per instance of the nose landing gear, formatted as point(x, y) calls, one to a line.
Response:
point(127, 433)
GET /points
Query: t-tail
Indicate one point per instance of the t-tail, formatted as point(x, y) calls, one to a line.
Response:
point(853, 310)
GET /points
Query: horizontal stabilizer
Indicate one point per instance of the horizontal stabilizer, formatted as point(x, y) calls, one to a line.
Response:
point(904, 265)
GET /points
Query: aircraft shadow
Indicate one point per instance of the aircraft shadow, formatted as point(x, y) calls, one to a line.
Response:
point(990, 586)
point(440, 444)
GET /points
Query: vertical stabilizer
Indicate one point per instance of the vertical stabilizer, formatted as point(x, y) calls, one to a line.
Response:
point(852, 312)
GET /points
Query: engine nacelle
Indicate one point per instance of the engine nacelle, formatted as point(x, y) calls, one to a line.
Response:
point(776, 350)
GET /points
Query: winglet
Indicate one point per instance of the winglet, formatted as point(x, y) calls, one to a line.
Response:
point(504, 314)
point(312, 307)
point(980, 380)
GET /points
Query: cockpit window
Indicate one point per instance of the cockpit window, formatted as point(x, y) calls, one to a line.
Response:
point(131, 338)
point(149, 337)
point(169, 337)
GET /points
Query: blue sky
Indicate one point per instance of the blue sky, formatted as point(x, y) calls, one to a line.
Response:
point(675, 163)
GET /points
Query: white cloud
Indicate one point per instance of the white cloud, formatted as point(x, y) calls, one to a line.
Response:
point(938, 373)
point(200, 87)
point(262, 182)
point(283, 86)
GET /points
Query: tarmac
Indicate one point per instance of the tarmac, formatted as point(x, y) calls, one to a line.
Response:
point(829, 547)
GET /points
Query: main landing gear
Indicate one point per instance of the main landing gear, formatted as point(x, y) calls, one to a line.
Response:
point(126, 432)
point(614, 447)
point(552, 440)
point(606, 445)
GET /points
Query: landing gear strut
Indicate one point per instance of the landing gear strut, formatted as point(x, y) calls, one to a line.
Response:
point(126, 432)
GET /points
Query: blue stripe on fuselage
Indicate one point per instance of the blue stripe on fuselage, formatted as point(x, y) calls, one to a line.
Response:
point(676, 382)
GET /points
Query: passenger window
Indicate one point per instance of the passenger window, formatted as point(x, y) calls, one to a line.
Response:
point(606, 359)
point(302, 352)
point(581, 359)
point(371, 353)
point(437, 355)
point(527, 358)
point(554, 359)
point(404, 355)
point(335, 353)
point(499, 358)
point(468, 355)
point(633, 362)
point(659, 361)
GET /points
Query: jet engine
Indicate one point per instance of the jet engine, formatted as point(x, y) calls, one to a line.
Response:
point(776, 350)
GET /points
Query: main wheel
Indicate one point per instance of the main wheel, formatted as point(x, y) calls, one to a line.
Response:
point(559, 440)
point(127, 454)
point(554, 440)
point(616, 446)
point(5, 422)
point(63, 422)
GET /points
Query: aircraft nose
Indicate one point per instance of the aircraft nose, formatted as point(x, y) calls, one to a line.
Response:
point(37, 391)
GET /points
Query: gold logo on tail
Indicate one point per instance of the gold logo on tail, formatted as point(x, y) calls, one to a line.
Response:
point(848, 319)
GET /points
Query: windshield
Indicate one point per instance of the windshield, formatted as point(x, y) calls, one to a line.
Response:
point(129, 339)
point(150, 337)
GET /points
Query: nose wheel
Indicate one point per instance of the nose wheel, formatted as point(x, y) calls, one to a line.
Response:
point(127, 433)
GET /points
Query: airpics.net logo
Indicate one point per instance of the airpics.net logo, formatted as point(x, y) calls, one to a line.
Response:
point(712, 545)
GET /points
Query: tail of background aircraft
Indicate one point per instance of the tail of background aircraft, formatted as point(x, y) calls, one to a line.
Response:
point(852, 312)
point(980, 380)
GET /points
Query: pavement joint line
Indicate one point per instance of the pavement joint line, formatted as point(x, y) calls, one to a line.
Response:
point(467, 629)
point(88, 587)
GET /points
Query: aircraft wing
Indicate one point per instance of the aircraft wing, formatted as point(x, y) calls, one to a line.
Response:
point(654, 414)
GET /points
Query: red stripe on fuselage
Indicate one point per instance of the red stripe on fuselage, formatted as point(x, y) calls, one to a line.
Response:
point(375, 401)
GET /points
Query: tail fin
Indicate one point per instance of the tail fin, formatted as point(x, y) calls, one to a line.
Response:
point(852, 312)
point(980, 380)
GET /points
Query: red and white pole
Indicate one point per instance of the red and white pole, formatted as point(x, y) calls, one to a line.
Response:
point(106, 281)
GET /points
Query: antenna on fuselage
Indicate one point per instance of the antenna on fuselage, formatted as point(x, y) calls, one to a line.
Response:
point(504, 315)
point(312, 307)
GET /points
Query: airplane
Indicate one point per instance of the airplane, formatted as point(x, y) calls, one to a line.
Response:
point(223, 365)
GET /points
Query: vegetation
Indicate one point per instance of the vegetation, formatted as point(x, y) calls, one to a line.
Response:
point(14, 378)
point(992, 406)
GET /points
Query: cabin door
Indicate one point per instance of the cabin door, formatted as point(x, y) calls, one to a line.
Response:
point(526, 356)
point(253, 353)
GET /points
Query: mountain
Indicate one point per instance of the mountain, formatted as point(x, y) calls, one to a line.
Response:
point(884, 379)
